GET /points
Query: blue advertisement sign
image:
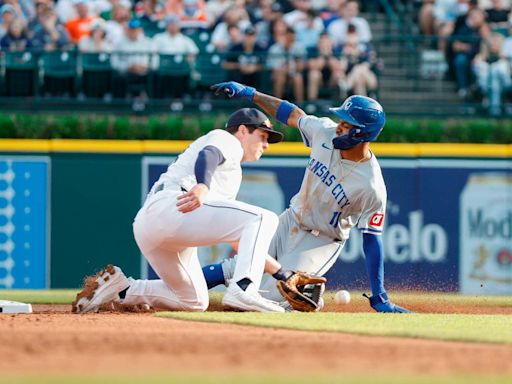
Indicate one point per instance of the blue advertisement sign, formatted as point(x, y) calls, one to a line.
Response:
point(424, 228)
point(24, 206)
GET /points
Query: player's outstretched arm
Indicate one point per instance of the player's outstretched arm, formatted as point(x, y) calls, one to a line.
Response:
point(282, 110)
point(374, 256)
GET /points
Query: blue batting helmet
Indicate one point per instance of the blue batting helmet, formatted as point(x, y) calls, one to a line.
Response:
point(365, 114)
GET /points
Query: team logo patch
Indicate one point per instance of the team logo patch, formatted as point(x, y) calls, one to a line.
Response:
point(267, 123)
point(377, 220)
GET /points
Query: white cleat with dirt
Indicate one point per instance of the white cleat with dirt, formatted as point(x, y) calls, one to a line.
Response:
point(100, 289)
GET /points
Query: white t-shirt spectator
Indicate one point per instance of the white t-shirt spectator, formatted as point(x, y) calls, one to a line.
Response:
point(167, 44)
point(337, 30)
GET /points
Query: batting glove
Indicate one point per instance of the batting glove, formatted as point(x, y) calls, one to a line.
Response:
point(381, 303)
point(234, 90)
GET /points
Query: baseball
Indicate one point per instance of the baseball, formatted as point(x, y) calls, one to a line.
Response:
point(342, 297)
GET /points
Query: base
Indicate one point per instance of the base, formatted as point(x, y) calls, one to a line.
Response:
point(7, 306)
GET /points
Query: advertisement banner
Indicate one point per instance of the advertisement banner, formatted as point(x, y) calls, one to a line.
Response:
point(24, 222)
point(436, 237)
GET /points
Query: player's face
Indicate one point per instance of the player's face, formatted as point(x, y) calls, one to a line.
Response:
point(343, 128)
point(254, 144)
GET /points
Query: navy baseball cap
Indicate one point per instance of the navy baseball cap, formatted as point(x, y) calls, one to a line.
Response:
point(256, 118)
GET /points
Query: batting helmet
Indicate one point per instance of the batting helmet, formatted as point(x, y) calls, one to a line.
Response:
point(365, 114)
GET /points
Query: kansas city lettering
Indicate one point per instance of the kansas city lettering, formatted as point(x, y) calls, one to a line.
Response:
point(320, 170)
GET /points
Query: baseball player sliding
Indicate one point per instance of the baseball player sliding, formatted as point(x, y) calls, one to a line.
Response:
point(342, 188)
point(193, 204)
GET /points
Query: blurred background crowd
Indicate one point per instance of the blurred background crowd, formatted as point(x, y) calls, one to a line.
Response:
point(299, 49)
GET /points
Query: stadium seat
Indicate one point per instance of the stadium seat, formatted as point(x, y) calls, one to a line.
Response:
point(208, 70)
point(20, 73)
point(96, 74)
point(59, 73)
point(172, 77)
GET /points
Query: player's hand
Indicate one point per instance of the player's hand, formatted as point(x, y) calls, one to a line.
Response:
point(234, 90)
point(193, 199)
point(381, 303)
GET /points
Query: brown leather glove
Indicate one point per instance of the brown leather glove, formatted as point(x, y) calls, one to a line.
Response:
point(292, 288)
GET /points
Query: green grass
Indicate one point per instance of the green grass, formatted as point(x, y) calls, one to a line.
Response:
point(470, 328)
point(49, 296)
point(260, 378)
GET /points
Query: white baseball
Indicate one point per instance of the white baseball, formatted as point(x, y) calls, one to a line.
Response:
point(342, 297)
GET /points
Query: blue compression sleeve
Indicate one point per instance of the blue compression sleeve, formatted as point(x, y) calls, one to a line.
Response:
point(374, 252)
point(213, 275)
point(284, 110)
point(207, 161)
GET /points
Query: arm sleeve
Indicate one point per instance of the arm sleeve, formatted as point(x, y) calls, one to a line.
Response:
point(208, 159)
point(374, 255)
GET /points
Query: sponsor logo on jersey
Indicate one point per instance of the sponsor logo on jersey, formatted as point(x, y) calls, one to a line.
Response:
point(326, 146)
point(377, 220)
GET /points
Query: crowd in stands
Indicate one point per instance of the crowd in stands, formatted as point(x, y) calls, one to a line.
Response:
point(301, 49)
point(475, 37)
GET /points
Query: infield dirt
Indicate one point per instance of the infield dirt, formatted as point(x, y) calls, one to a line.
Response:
point(52, 340)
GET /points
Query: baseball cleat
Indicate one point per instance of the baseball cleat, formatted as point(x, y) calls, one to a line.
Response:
point(248, 300)
point(100, 289)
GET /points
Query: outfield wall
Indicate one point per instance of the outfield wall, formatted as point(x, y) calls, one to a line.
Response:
point(66, 208)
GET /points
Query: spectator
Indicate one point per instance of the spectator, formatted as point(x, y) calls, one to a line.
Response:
point(106, 13)
point(358, 67)
point(245, 60)
point(151, 15)
point(270, 12)
point(48, 33)
point(332, 11)
point(116, 26)
point(81, 25)
point(16, 38)
point(173, 42)
point(447, 15)
point(278, 30)
point(132, 62)
point(492, 71)
point(215, 9)
point(235, 15)
point(298, 18)
point(308, 32)
point(338, 29)
point(465, 45)
point(497, 14)
point(191, 13)
point(98, 41)
point(287, 61)
point(324, 67)
point(8, 14)
point(24, 9)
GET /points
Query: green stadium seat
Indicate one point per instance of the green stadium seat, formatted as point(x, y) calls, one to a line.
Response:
point(172, 77)
point(20, 73)
point(59, 73)
point(209, 70)
point(96, 74)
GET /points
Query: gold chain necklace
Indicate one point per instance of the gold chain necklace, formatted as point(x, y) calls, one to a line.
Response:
point(352, 169)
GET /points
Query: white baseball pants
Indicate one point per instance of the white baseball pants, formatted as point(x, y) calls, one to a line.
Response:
point(168, 239)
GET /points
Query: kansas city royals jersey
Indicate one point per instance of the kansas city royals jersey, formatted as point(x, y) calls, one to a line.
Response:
point(227, 177)
point(337, 194)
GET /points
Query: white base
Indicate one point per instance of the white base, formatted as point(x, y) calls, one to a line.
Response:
point(7, 306)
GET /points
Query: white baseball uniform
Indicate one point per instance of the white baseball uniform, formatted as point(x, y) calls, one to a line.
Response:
point(168, 238)
point(336, 195)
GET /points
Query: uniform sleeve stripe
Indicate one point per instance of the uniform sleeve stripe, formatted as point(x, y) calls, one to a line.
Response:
point(304, 138)
point(371, 231)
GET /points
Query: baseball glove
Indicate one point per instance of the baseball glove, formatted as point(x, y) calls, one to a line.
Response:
point(292, 290)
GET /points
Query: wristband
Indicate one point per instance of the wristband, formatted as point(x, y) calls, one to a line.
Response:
point(284, 111)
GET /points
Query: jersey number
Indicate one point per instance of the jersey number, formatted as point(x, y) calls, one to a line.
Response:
point(335, 219)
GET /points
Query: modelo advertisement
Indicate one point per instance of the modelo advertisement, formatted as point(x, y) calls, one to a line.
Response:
point(448, 222)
